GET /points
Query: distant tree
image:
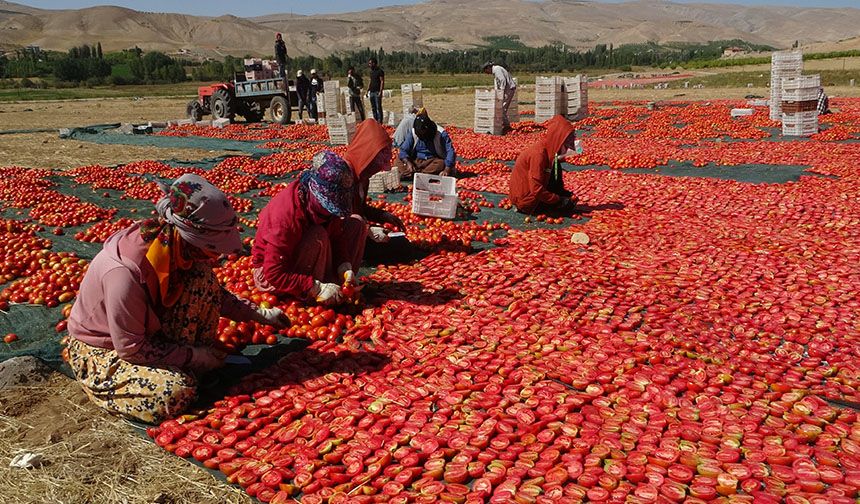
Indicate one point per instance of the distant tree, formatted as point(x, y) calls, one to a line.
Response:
point(99, 51)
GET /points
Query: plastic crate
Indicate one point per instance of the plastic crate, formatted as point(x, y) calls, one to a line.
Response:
point(384, 181)
point(740, 112)
point(794, 107)
point(341, 129)
point(413, 96)
point(799, 95)
point(801, 82)
point(434, 196)
point(801, 130)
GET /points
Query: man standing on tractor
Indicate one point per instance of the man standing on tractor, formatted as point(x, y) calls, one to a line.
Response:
point(281, 56)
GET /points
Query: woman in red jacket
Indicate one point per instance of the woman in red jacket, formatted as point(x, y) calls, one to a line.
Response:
point(307, 238)
point(536, 181)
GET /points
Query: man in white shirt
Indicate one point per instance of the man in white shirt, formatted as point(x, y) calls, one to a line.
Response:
point(405, 126)
point(504, 83)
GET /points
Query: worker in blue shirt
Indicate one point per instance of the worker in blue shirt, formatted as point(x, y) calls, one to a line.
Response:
point(427, 149)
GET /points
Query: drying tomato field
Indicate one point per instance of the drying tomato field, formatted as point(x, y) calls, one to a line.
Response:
point(703, 347)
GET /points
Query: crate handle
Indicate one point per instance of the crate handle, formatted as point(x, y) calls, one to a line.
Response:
point(434, 181)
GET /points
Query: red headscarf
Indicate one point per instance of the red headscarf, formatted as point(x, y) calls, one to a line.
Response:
point(370, 138)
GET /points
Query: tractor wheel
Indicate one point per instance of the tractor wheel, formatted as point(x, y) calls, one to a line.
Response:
point(223, 105)
point(252, 112)
point(194, 110)
point(279, 110)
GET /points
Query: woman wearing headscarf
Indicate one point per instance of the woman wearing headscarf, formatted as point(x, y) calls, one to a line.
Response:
point(368, 154)
point(536, 184)
point(145, 321)
point(308, 241)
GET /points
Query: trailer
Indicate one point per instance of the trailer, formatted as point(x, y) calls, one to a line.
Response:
point(246, 98)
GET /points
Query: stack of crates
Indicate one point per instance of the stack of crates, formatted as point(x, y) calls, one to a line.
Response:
point(271, 69)
point(488, 112)
point(384, 181)
point(549, 98)
point(514, 109)
point(800, 105)
point(341, 128)
point(576, 97)
point(253, 69)
point(332, 102)
point(412, 96)
point(784, 64)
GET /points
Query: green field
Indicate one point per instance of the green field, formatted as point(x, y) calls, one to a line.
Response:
point(762, 79)
point(429, 81)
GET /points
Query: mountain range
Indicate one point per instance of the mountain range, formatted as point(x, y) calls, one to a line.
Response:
point(434, 25)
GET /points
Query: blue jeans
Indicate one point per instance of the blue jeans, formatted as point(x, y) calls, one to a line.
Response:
point(376, 105)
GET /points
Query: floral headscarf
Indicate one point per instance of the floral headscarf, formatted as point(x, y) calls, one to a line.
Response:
point(195, 212)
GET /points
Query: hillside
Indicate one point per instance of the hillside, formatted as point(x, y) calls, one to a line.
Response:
point(428, 26)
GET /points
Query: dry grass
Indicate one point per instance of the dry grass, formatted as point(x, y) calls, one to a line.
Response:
point(89, 456)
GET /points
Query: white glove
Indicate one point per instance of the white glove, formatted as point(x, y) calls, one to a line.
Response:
point(327, 293)
point(345, 272)
point(377, 234)
point(274, 317)
point(205, 359)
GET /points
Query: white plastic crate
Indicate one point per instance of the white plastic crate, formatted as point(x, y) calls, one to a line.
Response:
point(332, 102)
point(799, 95)
point(740, 112)
point(488, 111)
point(413, 96)
point(384, 181)
point(757, 103)
point(800, 124)
point(799, 129)
point(341, 128)
point(801, 82)
point(434, 196)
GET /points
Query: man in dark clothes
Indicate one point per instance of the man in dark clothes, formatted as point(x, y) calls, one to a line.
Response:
point(374, 91)
point(303, 90)
point(316, 88)
point(355, 84)
point(281, 55)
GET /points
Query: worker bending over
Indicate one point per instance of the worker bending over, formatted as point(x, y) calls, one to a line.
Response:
point(308, 240)
point(144, 325)
point(428, 149)
point(503, 82)
point(536, 184)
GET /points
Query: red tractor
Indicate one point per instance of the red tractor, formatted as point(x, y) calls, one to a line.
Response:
point(247, 98)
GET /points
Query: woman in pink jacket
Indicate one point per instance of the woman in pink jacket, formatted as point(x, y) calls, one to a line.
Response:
point(146, 316)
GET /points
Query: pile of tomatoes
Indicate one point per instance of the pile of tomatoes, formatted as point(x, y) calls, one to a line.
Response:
point(101, 230)
point(56, 281)
point(700, 348)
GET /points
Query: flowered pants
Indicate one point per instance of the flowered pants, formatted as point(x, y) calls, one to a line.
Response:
point(146, 393)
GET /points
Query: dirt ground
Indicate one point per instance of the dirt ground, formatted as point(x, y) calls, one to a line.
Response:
point(92, 457)
point(46, 150)
point(89, 456)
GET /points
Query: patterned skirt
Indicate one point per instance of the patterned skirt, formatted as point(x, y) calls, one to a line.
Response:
point(147, 393)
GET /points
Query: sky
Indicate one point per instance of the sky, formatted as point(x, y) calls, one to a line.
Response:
point(261, 7)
